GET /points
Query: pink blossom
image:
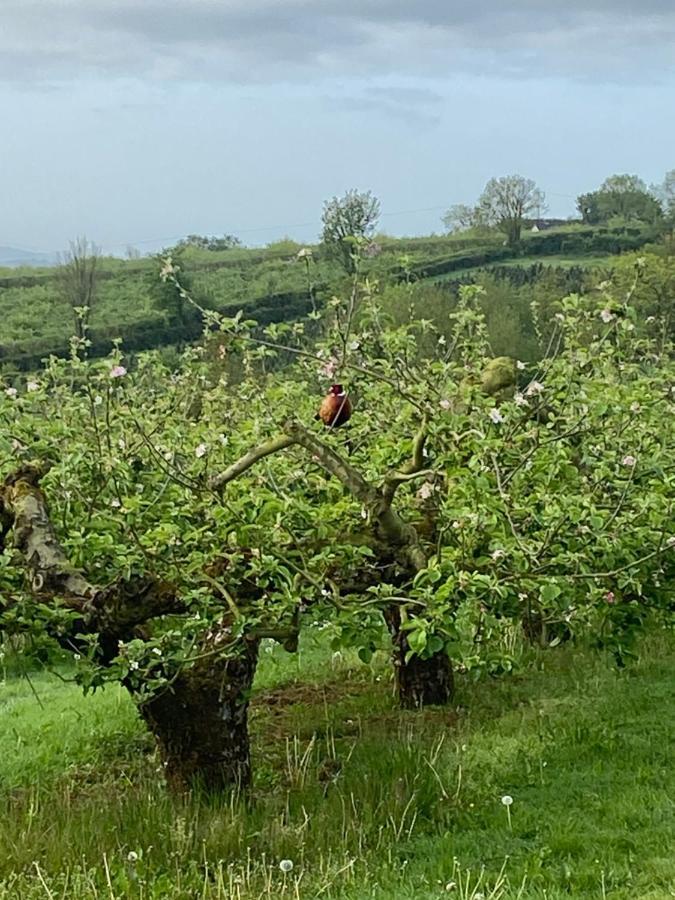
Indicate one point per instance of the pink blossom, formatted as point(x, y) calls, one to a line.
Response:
point(118, 372)
point(610, 598)
point(628, 461)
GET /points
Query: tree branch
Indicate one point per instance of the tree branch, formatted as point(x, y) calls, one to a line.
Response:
point(249, 459)
point(333, 463)
point(112, 611)
point(412, 469)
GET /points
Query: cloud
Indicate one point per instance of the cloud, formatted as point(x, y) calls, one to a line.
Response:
point(249, 41)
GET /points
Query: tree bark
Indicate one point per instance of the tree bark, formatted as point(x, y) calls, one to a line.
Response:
point(200, 722)
point(199, 719)
point(419, 681)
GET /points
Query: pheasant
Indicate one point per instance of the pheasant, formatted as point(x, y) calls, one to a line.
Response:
point(335, 408)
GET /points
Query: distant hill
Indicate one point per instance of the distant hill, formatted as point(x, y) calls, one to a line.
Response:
point(12, 256)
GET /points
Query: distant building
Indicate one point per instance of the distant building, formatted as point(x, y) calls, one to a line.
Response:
point(542, 224)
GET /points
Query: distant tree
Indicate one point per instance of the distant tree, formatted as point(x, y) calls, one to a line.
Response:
point(210, 242)
point(589, 208)
point(506, 202)
point(460, 217)
point(77, 277)
point(623, 197)
point(665, 193)
point(346, 220)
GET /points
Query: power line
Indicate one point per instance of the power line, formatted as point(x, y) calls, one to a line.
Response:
point(171, 239)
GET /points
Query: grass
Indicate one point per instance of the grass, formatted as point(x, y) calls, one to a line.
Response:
point(366, 800)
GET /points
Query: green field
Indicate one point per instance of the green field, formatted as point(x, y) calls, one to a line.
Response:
point(268, 284)
point(365, 800)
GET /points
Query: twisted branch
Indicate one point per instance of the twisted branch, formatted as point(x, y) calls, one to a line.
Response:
point(112, 611)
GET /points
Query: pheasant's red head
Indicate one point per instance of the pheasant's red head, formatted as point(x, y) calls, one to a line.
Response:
point(336, 390)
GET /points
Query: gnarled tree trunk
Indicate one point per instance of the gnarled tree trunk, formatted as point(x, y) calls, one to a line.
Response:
point(420, 682)
point(200, 722)
point(199, 719)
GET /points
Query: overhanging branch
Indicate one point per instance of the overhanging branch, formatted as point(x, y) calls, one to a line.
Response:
point(112, 611)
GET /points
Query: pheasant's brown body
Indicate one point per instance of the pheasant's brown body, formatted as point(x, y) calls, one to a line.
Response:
point(335, 408)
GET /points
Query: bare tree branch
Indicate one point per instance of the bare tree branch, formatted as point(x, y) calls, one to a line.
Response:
point(249, 459)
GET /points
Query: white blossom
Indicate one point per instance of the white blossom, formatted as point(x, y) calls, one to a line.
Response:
point(628, 461)
point(286, 866)
point(425, 491)
point(534, 388)
point(607, 315)
point(520, 400)
point(32, 386)
point(201, 450)
point(496, 416)
point(11, 392)
point(445, 404)
point(507, 800)
point(520, 365)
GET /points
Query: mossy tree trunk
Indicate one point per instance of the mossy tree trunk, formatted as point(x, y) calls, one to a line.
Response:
point(419, 681)
point(200, 722)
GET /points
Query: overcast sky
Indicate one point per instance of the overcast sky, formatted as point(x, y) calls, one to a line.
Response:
point(139, 121)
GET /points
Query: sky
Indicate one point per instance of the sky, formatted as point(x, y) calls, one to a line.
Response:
point(136, 122)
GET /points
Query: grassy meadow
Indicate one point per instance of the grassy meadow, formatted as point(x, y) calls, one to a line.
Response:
point(269, 284)
point(365, 800)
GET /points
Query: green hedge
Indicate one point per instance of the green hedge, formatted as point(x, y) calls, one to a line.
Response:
point(152, 332)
